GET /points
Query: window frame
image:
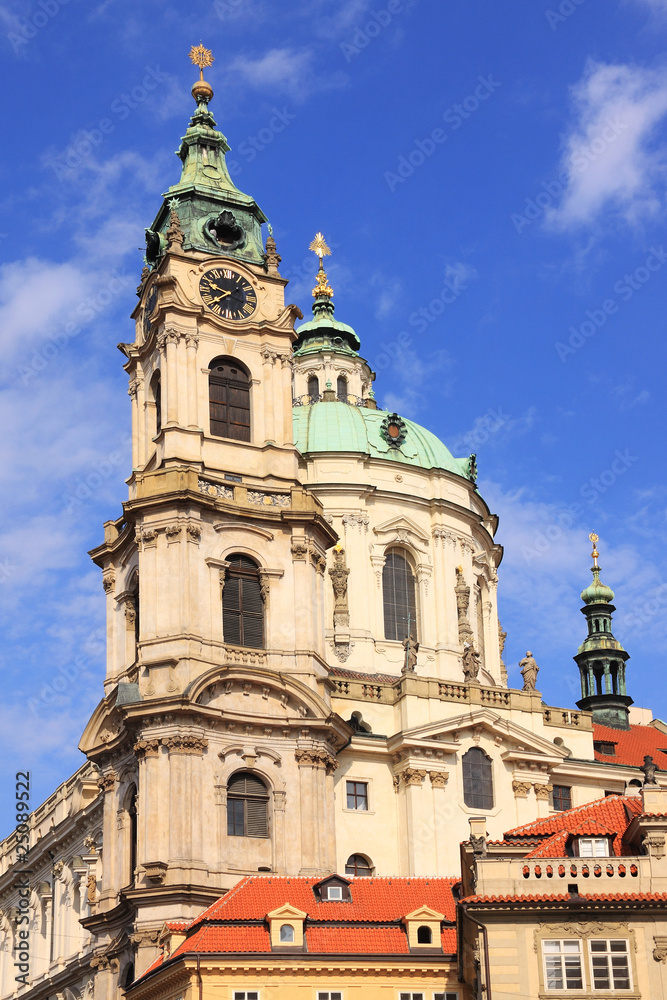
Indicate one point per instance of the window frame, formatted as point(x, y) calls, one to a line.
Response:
point(287, 927)
point(593, 841)
point(234, 799)
point(561, 808)
point(243, 994)
point(334, 899)
point(612, 988)
point(240, 616)
point(477, 806)
point(564, 988)
point(355, 874)
point(356, 796)
point(395, 620)
point(228, 383)
point(330, 994)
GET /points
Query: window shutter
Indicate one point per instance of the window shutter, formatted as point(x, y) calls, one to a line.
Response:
point(231, 611)
point(229, 396)
point(253, 613)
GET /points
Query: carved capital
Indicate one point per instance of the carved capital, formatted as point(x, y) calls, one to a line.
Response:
point(412, 776)
point(438, 778)
point(299, 549)
point(147, 748)
point(521, 789)
point(660, 950)
point(543, 791)
point(173, 530)
point(194, 532)
point(106, 781)
point(316, 758)
point(185, 744)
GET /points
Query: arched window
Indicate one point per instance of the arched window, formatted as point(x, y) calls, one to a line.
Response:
point(477, 779)
point(156, 391)
point(341, 388)
point(229, 398)
point(247, 806)
point(242, 604)
point(132, 813)
point(286, 934)
point(357, 864)
point(398, 594)
point(424, 935)
point(314, 388)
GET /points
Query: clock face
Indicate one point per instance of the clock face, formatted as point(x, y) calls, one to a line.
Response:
point(227, 294)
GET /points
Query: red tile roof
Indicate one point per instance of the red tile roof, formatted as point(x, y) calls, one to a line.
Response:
point(609, 816)
point(594, 897)
point(373, 899)
point(632, 745)
point(369, 924)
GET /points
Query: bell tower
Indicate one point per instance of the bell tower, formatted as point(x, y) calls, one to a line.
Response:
point(215, 740)
point(601, 658)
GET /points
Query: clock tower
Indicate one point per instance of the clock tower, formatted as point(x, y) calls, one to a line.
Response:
point(217, 696)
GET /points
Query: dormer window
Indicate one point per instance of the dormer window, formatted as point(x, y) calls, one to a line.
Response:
point(593, 847)
point(334, 892)
point(333, 889)
point(605, 747)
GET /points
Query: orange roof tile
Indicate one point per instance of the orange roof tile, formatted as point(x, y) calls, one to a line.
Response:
point(609, 815)
point(597, 897)
point(632, 745)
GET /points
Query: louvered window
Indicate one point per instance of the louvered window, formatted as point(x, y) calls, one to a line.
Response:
point(247, 806)
point(341, 388)
point(477, 779)
point(156, 385)
point(242, 604)
point(229, 396)
point(398, 593)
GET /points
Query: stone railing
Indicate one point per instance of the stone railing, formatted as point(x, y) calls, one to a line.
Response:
point(554, 876)
point(568, 718)
point(241, 494)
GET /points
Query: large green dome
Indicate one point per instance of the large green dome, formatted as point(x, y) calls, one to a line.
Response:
point(336, 426)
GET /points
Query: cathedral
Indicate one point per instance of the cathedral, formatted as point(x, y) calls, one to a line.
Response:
point(304, 670)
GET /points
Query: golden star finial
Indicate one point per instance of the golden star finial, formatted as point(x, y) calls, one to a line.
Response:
point(319, 246)
point(595, 554)
point(201, 57)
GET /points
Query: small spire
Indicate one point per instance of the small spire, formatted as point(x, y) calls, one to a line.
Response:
point(202, 91)
point(595, 555)
point(322, 289)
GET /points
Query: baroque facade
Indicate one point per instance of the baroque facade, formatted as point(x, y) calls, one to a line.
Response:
point(304, 660)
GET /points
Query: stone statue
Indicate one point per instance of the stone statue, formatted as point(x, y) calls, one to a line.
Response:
point(529, 671)
point(649, 769)
point(478, 844)
point(462, 603)
point(472, 662)
point(411, 647)
point(339, 573)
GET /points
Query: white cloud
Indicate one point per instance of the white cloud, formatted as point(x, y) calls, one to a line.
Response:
point(611, 158)
point(285, 71)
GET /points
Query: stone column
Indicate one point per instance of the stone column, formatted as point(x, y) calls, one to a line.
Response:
point(171, 338)
point(268, 362)
point(192, 342)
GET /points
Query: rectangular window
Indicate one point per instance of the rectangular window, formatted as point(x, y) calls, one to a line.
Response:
point(593, 847)
point(562, 965)
point(334, 892)
point(246, 995)
point(562, 797)
point(336, 995)
point(357, 795)
point(602, 746)
point(235, 818)
point(445, 996)
point(610, 965)
point(410, 996)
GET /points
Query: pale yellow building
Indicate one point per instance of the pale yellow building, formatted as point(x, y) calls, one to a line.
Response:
point(304, 659)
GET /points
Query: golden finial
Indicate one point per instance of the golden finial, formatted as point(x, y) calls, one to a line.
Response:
point(319, 246)
point(201, 57)
point(322, 289)
point(202, 90)
point(595, 554)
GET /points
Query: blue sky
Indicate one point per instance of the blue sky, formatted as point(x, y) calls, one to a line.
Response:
point(492, 179)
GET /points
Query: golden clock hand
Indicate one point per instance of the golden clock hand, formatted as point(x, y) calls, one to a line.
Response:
point(214, 298)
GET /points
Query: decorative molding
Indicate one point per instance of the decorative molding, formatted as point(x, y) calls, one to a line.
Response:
point(108, 580)
point(411, 776)
point(660, 949)
point(299, 549)
point(155, 871)
point(172, 531)
point(147, 748)
point(105, 782)
point(269, 499)
point(193, 532)
point(342, 650)
point(215, 489)
point(193, 745)
point(444, 535)
point(360, 521)
point(316, 758)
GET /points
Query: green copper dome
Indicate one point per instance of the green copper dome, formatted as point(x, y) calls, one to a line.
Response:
point(597, 592)
point(337, 426)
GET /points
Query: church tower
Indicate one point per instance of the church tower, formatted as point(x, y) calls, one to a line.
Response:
point(601, 658)
point(217, 693)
